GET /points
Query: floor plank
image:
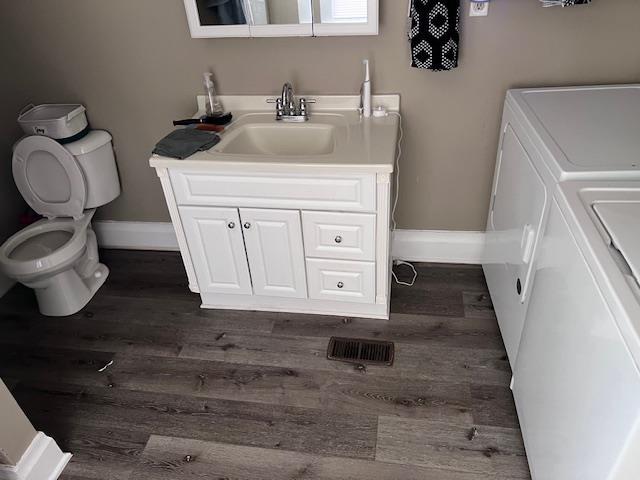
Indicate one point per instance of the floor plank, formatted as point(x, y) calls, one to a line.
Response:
point(234, 422)
point(478, 305)
point(98, 453)
point(458, 332)
point(492, 451)
point(494, 405)
point(412, 360)
point(170, 458)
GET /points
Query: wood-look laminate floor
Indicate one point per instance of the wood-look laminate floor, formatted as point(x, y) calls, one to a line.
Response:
point(208, 394)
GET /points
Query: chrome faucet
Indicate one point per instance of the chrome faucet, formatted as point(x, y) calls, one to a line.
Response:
point(288, 99)
point(286, 109)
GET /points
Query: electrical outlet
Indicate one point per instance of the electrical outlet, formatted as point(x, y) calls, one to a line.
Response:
point(479, 9)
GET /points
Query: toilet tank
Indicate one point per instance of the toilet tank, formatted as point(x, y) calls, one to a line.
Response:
point(94, 153)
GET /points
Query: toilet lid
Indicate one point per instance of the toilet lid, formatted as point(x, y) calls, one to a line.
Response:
point(48, 177)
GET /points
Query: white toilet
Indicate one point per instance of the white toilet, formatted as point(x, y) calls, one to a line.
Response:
point(58, 256)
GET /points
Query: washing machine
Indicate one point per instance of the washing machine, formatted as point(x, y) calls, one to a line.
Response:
point(577, 380)
point(549, 136)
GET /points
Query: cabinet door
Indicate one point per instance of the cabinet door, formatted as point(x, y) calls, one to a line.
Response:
point(275, 252)
point(214, 237)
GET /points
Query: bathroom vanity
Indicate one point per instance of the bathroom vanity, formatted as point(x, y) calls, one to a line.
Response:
point(289, 217)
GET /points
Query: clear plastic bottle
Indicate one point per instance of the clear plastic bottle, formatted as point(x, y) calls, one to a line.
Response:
point(212, 103)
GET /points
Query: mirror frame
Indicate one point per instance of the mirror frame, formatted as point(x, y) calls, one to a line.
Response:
point(281, 30)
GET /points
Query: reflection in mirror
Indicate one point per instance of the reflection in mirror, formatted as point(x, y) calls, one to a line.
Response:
point(341, 11)
point(221, 12)
point(279, 12)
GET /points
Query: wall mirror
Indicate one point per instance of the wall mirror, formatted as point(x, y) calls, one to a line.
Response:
point(281, 18)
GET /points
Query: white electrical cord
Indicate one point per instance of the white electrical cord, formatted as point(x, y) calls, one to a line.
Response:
point(395, 205)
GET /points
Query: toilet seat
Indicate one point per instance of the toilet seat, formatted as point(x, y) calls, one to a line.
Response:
point(44, 246)
point(49, 177)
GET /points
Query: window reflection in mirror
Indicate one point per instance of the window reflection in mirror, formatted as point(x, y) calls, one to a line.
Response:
point(221, 12)
point(341, 11)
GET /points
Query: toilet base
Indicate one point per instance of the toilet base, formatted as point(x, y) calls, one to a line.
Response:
point(67, 292)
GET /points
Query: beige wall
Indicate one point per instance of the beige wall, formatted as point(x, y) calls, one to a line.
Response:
point(16, 433)
point(12, 99)
point(136, 68)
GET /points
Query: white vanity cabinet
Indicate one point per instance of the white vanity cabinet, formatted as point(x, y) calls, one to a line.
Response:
point(289, 241)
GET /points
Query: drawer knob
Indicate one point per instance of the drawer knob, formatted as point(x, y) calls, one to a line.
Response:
point(247, 225)
point(231, 225)
point(340, 285)
point(338, 239)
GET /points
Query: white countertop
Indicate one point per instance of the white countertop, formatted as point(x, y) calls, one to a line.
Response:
point(362, 145)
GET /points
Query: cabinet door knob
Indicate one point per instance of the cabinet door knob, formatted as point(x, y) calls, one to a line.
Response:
point(247, 225)
point(340, 285)
point(231, 225)
point(338, 239)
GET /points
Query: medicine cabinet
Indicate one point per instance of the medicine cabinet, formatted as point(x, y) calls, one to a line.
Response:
point(281, 18)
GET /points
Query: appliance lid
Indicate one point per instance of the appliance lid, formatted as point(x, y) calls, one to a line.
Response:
point(596, 128)
point(622, 223)
point(48, 177)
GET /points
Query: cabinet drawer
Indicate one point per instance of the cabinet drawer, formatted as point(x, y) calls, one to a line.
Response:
point(341, 280)
point(297, 191)
point(349, 236)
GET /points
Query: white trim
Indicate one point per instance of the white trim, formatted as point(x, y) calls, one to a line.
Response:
point(136, 235)
point(43, 460)
point(438, 246)
point(6, 284)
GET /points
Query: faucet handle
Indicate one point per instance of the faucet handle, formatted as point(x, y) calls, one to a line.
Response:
point(279, 106)
point(303, 105)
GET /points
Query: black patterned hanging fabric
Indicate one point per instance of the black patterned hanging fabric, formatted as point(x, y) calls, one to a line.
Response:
point(434, 33)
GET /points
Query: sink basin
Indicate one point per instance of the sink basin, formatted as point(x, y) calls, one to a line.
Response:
point(279, 140)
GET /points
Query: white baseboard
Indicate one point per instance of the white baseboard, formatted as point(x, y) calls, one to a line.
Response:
point(136, 235)
point(438, 246)
point(43, 460)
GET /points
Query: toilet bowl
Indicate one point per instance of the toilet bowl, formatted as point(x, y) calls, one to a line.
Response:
point(58, 256)
point(58, 259)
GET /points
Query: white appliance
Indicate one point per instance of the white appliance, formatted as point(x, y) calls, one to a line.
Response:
point(58, 257)
point(576, 380)
point(549, 136)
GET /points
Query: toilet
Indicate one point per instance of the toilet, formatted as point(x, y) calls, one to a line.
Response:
point(58, 256)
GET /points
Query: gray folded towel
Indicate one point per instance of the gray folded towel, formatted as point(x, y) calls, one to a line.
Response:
point(184, 142)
